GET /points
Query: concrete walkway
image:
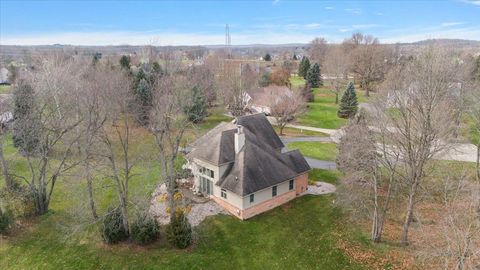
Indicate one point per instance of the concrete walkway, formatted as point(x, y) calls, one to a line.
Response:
point(287, 140)
point(320, 188)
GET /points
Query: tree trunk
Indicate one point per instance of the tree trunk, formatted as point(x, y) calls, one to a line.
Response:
point(408, 217)
point(93, 208)
point(336, 97)
point(281, 129)
point(3, 163)
point(478, 163)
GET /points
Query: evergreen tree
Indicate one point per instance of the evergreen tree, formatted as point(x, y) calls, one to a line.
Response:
point(476, 71)
point(143, 97)
point(313, 76)
point(267, 57)
point(196, 111)
point(156, 68)
point(265, 79)
point(125, 62)
point(25, 131)
point(307, 93)
point(349, 103)
point(179, 231)
point(304, 67)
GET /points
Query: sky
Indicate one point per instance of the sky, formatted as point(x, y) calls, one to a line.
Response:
point(162, 23)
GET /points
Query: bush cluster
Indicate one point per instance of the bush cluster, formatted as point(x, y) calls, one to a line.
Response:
point(6, 221)
point(112, 229)
point(179, 231)
point(145, 229)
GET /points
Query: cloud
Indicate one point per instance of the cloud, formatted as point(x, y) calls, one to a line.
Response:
point(275, 2)
point(364, 26)
point(473, 2)
point(343, 30)
point(156, 39)
point(472, 33)
point(448, 24)
point(353, 10)
point(329, 8)
point(312, 25)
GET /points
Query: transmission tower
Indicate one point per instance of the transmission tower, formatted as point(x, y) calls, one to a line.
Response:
point(228, 42)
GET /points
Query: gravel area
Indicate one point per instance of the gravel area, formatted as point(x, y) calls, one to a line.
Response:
point(320, 188)
point(198, 212)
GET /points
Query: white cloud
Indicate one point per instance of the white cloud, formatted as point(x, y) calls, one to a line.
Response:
point(447, 24)
point(364, 26)
point(329, 8)
point(157, 39)
point(472, 33)
point(275, 2)
point(354, 10)
point(473, 2)
point(312, 25)
point(343, 30)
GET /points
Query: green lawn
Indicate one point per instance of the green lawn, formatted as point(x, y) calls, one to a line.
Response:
point(295, 132)
point(316, 150)
point(303, 234)
point(328, 176)
point(322, 112)
point(5, 89)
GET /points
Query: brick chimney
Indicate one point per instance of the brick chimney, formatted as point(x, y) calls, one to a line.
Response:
point(239, 139)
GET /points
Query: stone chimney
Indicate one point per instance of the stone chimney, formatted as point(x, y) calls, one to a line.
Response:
point(239, 139)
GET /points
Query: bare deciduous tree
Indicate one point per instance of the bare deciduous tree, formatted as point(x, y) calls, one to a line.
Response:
point(414, 112)
point(53, 118)
point(367, 60)
point(286, 106)
point(369, 172)
point(318, 49)
point(336, 69)
point(168, 124)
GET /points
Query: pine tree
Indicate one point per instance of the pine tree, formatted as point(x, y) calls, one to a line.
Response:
point(304, 67)
point(179, 231)
point(144, 99)
point(25, 131)
point(313, 76)
point(125, 62)
point(349, 103)
point(267, 57)
point(307, 93)
point(196, 111)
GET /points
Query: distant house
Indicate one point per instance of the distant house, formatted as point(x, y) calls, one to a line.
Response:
point(4, 74)
point(240, 165)
point(261, 99)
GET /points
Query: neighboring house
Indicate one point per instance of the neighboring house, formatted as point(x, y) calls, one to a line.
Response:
point(240, 165)
point(4, 74)
point(261, 99)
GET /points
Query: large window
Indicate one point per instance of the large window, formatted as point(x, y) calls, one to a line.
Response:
point(207, 172)
point(224, 193)
point(206, 186)
point(274, 191)
point(252, 198)
point(290, 185)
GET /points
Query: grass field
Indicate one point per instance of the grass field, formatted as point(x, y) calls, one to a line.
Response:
point(316, 150)
point(303, 234)
point(5, 89)
point(322, 112)
point(295, 132)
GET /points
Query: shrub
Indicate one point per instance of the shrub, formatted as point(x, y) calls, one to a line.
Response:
point(6, 220)
point(145, 229)
point(179, 231)
point(112, 227)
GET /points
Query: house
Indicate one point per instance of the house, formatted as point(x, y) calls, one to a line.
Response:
point(4, 74)
point(240, 165)
point(260, 100)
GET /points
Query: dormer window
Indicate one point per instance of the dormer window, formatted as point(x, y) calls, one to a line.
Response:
point(224, 193)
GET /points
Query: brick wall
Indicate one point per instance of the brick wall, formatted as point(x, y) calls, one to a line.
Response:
point(301, 183)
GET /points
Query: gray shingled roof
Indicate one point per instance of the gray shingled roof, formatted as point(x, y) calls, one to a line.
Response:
point(258, 124)
point(260, 163)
